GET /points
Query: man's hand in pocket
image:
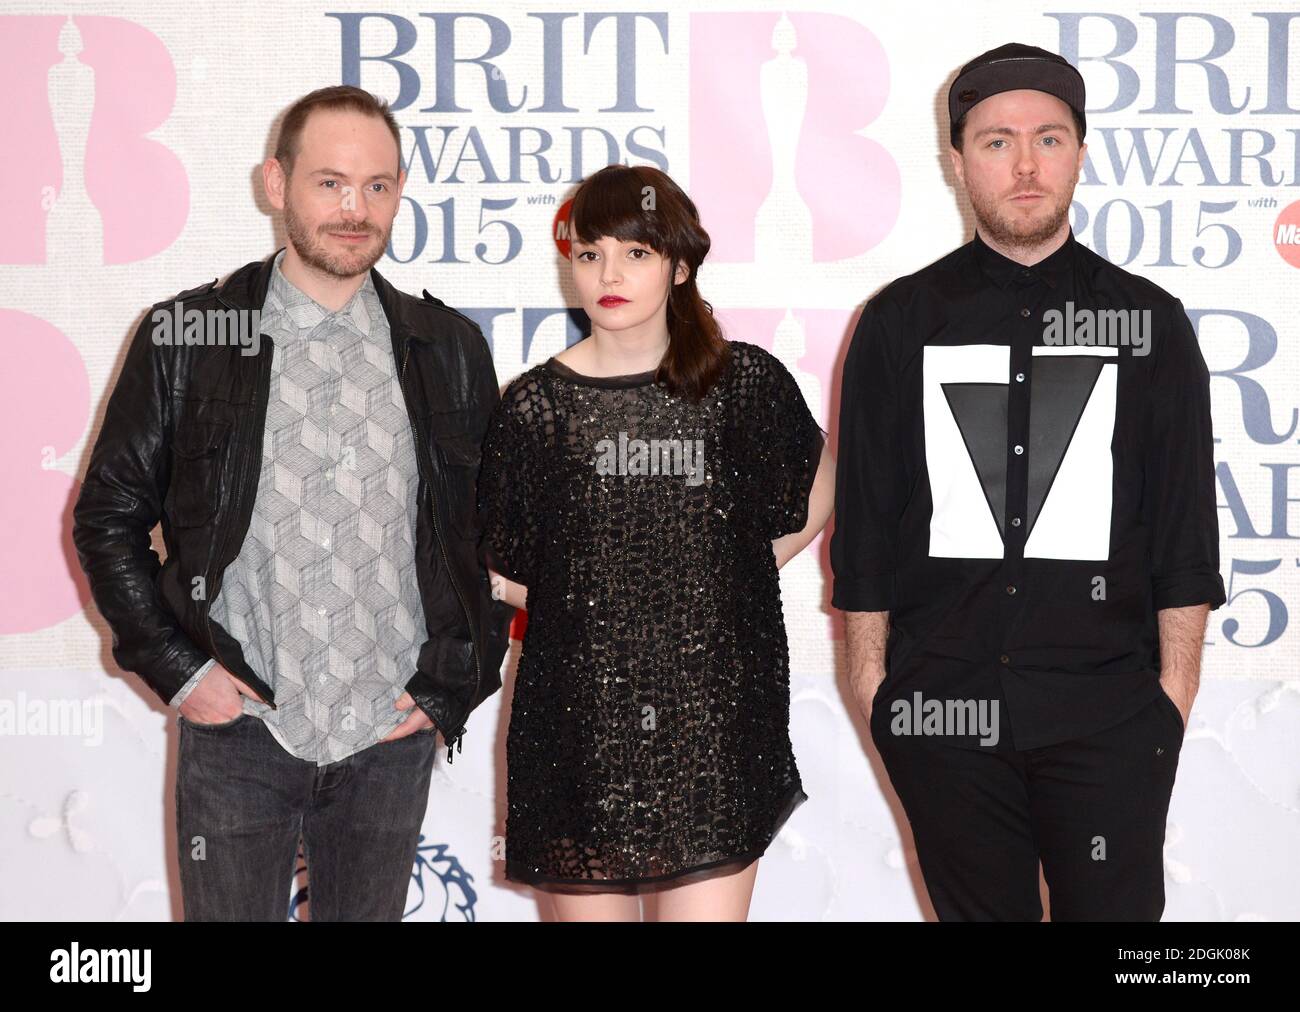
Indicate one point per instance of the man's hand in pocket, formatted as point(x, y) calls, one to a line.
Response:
point(217, 698)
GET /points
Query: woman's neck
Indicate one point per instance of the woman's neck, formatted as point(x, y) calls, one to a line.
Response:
point(623, 354)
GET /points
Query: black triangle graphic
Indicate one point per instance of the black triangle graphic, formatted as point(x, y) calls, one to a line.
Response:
point(1062, 386)
point(981, 413)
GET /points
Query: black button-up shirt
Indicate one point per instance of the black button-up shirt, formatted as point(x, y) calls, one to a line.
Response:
point(1021, 505)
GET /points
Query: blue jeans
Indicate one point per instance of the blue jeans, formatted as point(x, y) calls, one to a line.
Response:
point(242, 802)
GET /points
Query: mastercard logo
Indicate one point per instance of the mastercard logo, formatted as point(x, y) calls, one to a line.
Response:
point(1286, 234)
point(560, 228)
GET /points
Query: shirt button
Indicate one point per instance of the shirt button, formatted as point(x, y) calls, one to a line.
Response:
point(329, 473)
point(320, 611)
point(1015, 521)
point(325, 542)
point(1025, 311)
point(1011, 588)
point(1020, 377)
point(1018, 448)
point(1005, 659)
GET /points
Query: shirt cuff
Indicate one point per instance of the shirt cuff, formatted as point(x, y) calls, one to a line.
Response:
point(1185, 589)
point(188, 687)
point(873, 593)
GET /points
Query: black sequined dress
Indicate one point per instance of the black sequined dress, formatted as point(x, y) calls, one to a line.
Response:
point(649, 736)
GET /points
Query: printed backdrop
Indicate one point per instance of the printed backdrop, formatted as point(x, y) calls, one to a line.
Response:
point(813, 139)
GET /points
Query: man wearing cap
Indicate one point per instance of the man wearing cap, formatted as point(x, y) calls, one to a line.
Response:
point(1026, 541)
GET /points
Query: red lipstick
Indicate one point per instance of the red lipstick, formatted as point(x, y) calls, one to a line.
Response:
point(610, 301)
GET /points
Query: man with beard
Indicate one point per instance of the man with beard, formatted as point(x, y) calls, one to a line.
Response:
point(323, 611)
point(1026, 528)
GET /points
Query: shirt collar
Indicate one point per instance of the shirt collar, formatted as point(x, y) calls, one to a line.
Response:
point(306, 313)
point(1005, 272)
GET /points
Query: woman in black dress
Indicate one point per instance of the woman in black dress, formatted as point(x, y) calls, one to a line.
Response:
point(639, 493)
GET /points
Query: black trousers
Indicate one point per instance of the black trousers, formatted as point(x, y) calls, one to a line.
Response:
point(1092, 810)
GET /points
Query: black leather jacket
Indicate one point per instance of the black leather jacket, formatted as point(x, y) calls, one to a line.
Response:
point(182, 443)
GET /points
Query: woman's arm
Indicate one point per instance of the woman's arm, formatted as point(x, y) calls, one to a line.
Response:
point(513, 594)
point(821, 500)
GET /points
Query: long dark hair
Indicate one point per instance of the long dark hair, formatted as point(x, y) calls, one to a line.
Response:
point(639, 203)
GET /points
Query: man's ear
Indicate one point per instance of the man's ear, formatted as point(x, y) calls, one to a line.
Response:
point(401, 182)
point(274, 181)
point(958, 165)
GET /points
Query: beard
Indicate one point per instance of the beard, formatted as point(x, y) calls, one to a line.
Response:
point(1019, 232)
point(313, 252)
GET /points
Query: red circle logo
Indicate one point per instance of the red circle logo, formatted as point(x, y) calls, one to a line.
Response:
point(560, 228)
point(1286, 234)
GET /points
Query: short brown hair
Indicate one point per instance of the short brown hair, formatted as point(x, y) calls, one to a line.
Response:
point(339, 97)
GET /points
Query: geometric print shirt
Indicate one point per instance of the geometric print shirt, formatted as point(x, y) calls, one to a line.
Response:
point(323, 597)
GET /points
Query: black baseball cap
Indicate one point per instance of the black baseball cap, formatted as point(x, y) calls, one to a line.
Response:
point(1011, 67)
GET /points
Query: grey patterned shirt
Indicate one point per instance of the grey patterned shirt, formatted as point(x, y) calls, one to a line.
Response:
point(323, 597)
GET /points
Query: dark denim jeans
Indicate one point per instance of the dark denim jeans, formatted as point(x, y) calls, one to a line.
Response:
point(242, 802)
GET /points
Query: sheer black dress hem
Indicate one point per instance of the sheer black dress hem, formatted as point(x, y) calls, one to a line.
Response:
point(682, 876)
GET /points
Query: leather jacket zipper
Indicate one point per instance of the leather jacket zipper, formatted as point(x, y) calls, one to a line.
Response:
point(457, 736)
